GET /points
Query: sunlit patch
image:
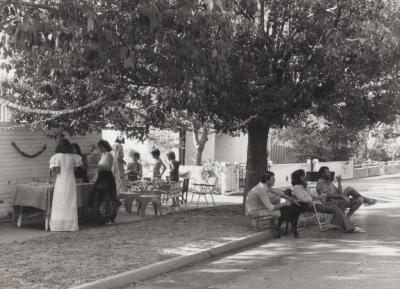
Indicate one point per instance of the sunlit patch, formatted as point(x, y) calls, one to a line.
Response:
point(372, 251)
point(213, 270)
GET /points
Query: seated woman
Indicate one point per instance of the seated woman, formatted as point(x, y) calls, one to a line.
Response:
point(81, 172)
point(103, 204)
point(303, 196)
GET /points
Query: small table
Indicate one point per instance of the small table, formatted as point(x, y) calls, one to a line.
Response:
point(203, 189)
point(40, 196)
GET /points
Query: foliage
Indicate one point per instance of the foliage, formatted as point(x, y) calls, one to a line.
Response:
point(211, 170)
point(316, 138)
point(382, 142)
point(241, 65)
point(164, 140)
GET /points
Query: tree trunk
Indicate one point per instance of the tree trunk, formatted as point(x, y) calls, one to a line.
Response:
point(199, 153)
point(199, 141)
point(182, 146)
point(257, 157)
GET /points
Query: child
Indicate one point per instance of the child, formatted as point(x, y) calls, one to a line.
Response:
point(158, 164)
point(174, 167)
point(173, 174)
point(134, 169)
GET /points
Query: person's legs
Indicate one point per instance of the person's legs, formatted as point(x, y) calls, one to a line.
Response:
point(338, 215)
point(354, 205)
point(351, 192)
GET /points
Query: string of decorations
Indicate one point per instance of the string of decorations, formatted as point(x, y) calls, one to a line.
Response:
point(50, 112)
point(29, 155)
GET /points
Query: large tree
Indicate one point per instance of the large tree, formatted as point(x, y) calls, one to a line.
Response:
point(285, 57)
point(244, 66)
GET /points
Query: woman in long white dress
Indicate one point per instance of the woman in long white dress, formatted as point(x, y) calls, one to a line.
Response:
point(64, 209)
point(119, 164)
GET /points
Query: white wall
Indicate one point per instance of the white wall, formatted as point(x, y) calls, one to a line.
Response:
point(283, 172)
point(231, 149)
point(345, 169)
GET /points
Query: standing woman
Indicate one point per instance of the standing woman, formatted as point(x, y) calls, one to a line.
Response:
point(81, 172)
point(104, 204)
point(64, 209)
point(119, 169)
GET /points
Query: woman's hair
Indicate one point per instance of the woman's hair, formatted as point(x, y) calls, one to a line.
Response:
point(155, 153)
point(171, 155)
point(120, 140)
point(63, 147)
point(105, 144)
point(76, 147)
point(266, 176)
point(296, 177)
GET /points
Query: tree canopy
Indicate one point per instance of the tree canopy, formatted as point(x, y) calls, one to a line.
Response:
point(244, 65)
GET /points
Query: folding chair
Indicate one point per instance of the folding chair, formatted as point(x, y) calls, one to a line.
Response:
point(321, 224)
point(204, 189)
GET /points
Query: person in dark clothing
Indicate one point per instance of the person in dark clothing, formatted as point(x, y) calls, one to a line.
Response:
point(173, 173)
point(81, 172)
point(103, 203)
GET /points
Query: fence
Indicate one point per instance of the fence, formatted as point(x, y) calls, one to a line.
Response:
point(281, 154)
point(6, 114)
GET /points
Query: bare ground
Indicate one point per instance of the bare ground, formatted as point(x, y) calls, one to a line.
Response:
point(62, 260)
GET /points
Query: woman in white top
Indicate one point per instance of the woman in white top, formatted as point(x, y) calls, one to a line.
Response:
point(103, 203)
point(64, 209)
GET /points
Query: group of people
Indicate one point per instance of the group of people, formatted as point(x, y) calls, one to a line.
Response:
point(69, 165)
point(265, 200)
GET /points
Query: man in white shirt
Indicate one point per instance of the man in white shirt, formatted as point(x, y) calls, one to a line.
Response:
point(263, 200)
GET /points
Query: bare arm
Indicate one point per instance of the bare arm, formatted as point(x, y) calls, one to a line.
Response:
point(339, 179)
point(164, 167)
point(279, 193)
point(266, 202)
point(140, 172)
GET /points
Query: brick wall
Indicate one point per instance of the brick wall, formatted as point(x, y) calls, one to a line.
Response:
point(15, 168)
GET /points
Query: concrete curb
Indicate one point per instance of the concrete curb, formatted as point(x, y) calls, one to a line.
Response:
point(127, 278)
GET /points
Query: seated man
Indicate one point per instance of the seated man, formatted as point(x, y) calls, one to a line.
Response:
point(260, 202)
point(347, 198)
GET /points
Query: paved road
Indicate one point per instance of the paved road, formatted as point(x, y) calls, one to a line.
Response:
point(329, 260)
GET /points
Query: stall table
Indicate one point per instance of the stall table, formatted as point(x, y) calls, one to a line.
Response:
point(40, 196)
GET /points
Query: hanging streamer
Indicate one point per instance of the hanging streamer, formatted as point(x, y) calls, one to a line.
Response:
point(50, 112)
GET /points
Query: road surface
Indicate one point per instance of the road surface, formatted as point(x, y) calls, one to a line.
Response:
point(329, 260)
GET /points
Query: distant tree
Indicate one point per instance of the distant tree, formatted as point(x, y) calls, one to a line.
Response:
point(316, 138)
